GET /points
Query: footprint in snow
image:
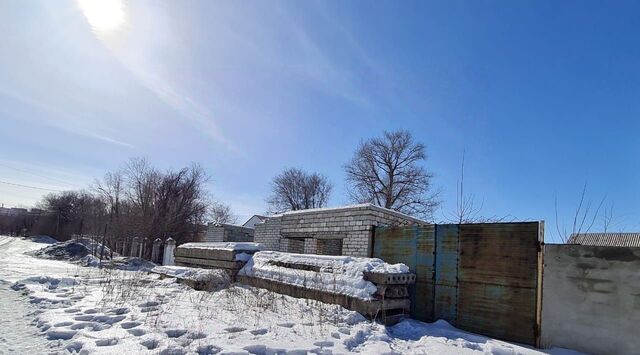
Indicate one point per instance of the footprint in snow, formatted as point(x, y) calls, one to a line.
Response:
point(84, 318)
point(149, 304)
point(107, 342)
point(62, 324)
point(118, 311)
point(94, 326)
point(335, 335)
point(148, 309)
point(129, 325)
point(235, 329)
point(287, 325)
point(150, 344)
point(71, 310)
point(58, 334)
point(91, 311)
point(108, 319)
point(136, 332)
point(197, 335)
point(208, 350)
point(74, 347)
point(173, 350)
point(175, 333)
point(262, 331)
point(323, 344)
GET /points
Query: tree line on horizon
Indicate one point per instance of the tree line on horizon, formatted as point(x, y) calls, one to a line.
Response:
point(140, 200)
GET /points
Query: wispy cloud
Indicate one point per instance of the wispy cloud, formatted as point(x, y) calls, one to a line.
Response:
point(137, 52)
point(61, 120)
point(187, 107)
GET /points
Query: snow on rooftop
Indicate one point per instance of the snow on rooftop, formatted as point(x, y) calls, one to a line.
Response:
point(233, 246)
point(348, 207)
point(338, 274)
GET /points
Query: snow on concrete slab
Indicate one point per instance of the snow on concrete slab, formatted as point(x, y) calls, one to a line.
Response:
point(104, 311)
point(195, 274)
point(336, 274)
point(232, 246)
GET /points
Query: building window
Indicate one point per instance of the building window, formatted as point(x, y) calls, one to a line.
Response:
point(329, 247)
point(295, 245)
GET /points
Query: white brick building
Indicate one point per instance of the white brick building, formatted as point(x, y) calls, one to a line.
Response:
point(328, 231)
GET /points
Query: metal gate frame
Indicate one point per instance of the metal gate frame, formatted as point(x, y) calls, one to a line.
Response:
point(485, 278)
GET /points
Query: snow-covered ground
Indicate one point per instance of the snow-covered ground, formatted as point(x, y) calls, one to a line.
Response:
point(54, 306)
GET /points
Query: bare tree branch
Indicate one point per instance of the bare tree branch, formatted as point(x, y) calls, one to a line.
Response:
point(295, 189)
point(387, 172)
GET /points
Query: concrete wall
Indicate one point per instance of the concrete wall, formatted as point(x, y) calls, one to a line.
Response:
point(591, 299)
point(351, 224)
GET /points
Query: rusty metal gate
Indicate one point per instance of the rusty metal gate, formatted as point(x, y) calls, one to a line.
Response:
point(484, 278)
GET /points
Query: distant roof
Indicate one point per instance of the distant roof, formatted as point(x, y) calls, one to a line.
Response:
point(606, 239)
point(261, 218)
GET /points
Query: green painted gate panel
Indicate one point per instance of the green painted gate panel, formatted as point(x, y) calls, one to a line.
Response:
point(484, 278)
point(413, 246)
point(498, 284)
point(446, 272)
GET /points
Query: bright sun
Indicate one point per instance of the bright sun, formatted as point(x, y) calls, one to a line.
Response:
point(103, 15)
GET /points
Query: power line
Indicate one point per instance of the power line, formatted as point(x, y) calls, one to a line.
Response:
point(40, 175)
point(29, 187)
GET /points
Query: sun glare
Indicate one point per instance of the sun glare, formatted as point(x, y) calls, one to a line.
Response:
point(103, 15)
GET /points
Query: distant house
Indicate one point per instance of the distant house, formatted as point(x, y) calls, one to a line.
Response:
point(606, 239)
point(16, 211)
point(255, 219)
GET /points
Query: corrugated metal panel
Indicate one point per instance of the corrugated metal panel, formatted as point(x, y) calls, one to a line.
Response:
point(606, 239)
point(504, 254)
point(483, 278)
point(446, 272)
point(414, 247)
point(501, 312)
point(422, 304)
point(497, 274)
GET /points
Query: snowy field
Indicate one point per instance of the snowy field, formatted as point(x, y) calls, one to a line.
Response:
point(51, 306)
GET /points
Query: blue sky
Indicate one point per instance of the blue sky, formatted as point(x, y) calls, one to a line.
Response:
point(542, 96)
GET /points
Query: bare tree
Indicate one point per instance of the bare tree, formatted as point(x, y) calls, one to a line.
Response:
point(584, 217)
point(388, 171)
point(222, 213)
point(607, 218)
point(295, 189)
point(136, 201)
point(466, 210)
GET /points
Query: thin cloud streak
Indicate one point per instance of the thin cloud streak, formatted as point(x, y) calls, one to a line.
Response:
point(61, 120)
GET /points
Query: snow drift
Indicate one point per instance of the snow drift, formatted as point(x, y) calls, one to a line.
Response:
point(70, 250)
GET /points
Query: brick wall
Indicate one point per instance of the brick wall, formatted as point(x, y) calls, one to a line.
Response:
point(215, 233)
point(268, 234)
point(352, 224)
